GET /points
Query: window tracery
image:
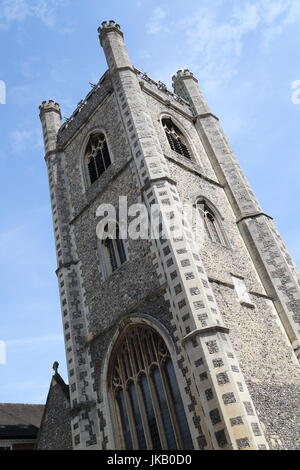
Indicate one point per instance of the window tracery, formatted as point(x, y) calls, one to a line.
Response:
point(176, 139)
point(97, 156)
point(211, 223)
point(149, 412)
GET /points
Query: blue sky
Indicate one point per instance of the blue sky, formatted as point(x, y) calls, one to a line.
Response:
point(246, 57)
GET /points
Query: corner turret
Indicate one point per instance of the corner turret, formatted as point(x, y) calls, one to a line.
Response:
point(112, 40)
point(186, 86)
point(50, 116)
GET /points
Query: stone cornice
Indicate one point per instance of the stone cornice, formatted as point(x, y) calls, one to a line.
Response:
point(252, 215)
point(65, 266)
point(49, 153)
point(82, 406)
point(157, 180)
point(208, 329)
point(205, 115)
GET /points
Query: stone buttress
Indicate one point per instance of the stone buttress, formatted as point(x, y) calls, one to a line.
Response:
point(273, 263)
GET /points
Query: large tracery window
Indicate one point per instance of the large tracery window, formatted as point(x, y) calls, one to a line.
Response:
point(148, 408)
point(97, 156)
point(176, 139)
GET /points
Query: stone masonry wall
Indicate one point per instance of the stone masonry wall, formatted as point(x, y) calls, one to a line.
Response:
point(166, 281)
point(121, 292)
point(55, 431)
point(265, 354)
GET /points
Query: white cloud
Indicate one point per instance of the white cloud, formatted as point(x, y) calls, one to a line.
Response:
point(30, 341)
point(20, 10)
point(16, 10)
point(278, 16)
point(31, 67)
point(21, 140)
point(156, 24)
point(216, 34)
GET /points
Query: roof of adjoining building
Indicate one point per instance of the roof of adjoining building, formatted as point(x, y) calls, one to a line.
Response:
point(18, 414)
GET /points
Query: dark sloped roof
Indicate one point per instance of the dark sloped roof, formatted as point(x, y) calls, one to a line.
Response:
point(18, 432)
point(16, 414)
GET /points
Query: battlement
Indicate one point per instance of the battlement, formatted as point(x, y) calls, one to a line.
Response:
point(107, 27)
point(48, 106)
point(183, 74)
point(100, 89)
point(161, 87)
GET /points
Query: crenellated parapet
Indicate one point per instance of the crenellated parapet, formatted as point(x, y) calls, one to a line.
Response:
point(50, 106)
point(108, 27)
point(182, 75)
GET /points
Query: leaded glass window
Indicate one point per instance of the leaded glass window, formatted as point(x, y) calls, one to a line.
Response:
point(212, 226)
point(148, 409)
point(177, 140)
point(97, 156)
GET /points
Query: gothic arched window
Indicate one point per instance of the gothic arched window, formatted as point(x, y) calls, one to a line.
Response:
point(97, 156)
point(177, 140)
point(147, 405)
point(114, 251)
point(211, 224)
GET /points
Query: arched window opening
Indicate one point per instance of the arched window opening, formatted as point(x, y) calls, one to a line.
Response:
point(177, 140)
point(97, 156)
point(212, 226)
point(115, 254)
point(147, 404)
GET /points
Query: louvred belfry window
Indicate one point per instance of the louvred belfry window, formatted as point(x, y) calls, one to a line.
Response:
point(147, 404)
point(176, 139)
point(97, 156)
point(115, 251)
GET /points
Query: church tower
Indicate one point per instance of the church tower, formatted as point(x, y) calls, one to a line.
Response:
point(171, 342)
